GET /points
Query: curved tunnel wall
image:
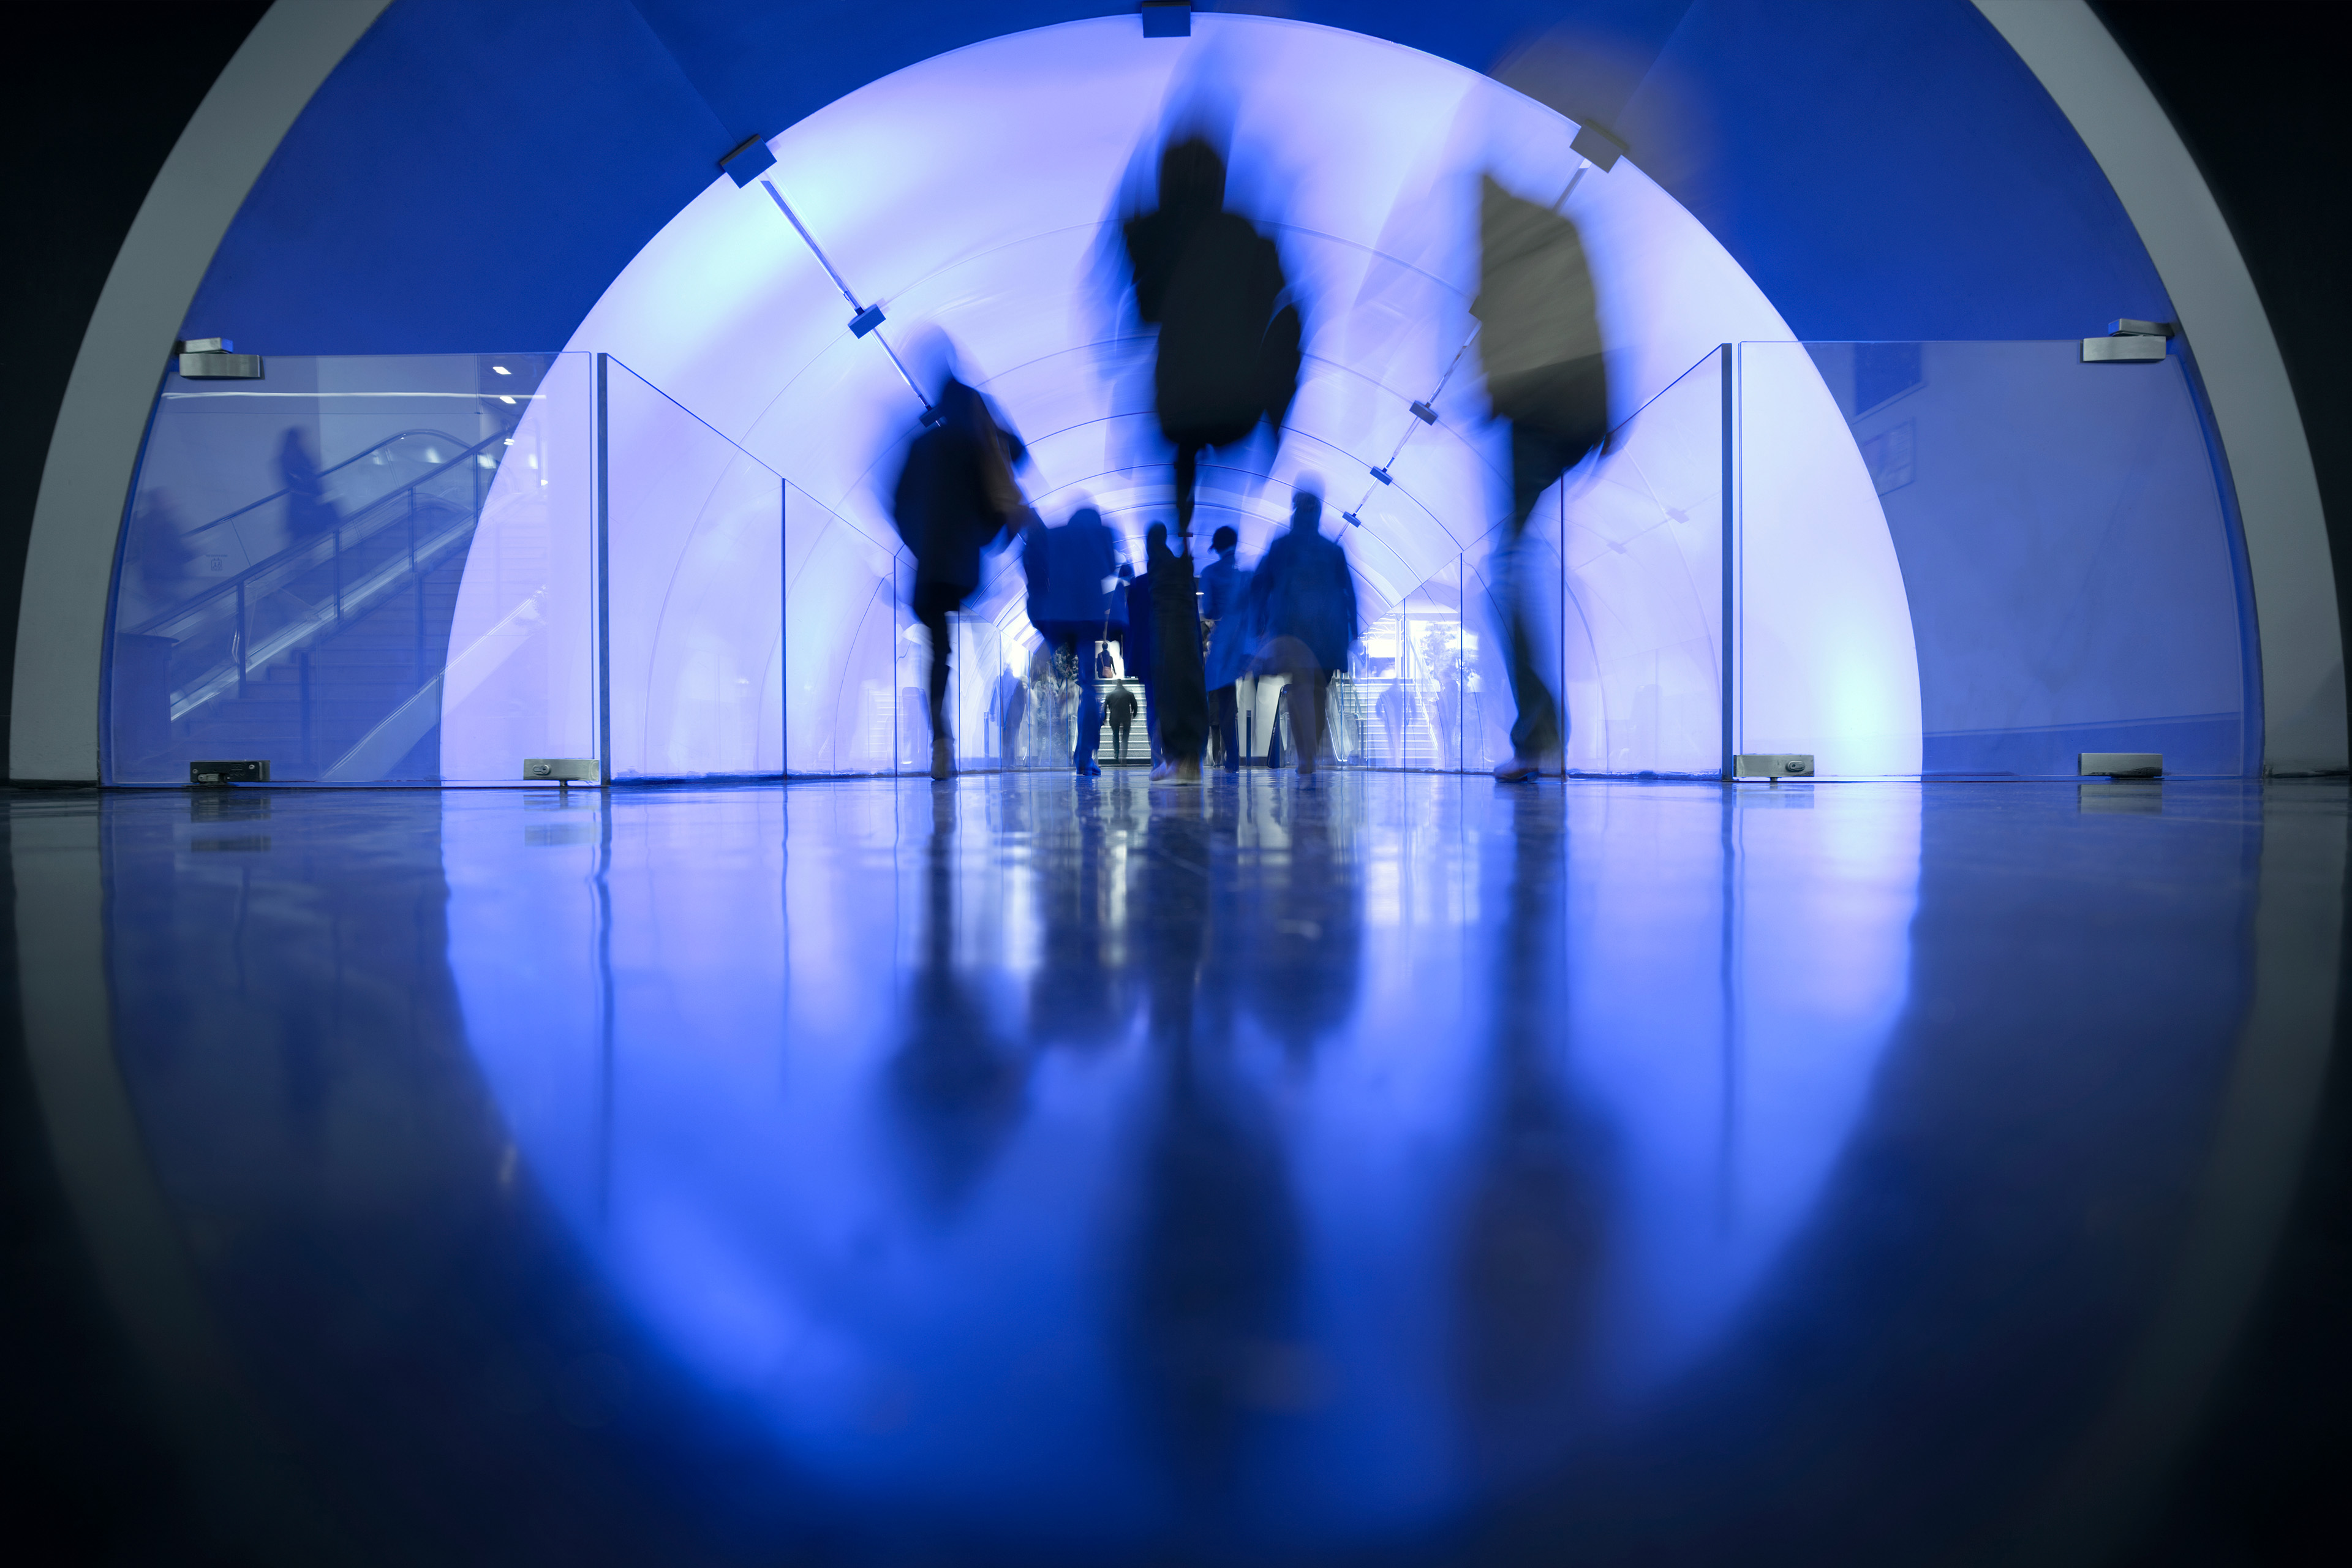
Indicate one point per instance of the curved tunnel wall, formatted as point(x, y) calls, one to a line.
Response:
point(1361, 159)
point(1889, 173)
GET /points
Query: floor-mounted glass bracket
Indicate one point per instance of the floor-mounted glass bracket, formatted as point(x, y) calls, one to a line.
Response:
point(1773, 765)
point(2128, 342)
point(2121, 765)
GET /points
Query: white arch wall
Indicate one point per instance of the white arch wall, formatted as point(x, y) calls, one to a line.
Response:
point(2237, 354)
point(94, 448)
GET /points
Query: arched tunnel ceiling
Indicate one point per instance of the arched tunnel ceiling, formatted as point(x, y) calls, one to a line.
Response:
point(978, 195)
point(978, 192)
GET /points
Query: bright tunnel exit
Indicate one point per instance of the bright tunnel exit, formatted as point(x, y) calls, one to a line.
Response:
point(979, 193)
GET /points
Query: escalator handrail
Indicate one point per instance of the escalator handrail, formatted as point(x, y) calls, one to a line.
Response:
point(227, 586)
point(338, 468)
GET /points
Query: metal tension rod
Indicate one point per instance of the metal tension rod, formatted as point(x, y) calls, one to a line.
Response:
point(1426, 410)
point(869, 319)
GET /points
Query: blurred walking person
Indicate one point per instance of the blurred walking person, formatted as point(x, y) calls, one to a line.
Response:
point(1122, 706)
point(1539, 340)
point(954, 499)
point(1229, 343)
point(1074, 603)
point(1303, 597)
point(309, 512)
point(1179, 701)
point(1228, 356)
point(1224, 614)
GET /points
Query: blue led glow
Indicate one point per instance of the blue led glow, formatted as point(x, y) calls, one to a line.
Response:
point(971, 193)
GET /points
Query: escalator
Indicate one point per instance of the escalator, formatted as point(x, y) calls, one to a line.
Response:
point(293, 627)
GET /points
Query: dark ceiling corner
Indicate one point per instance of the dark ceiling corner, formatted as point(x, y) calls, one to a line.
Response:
point(2256, 93)
point(98, 96)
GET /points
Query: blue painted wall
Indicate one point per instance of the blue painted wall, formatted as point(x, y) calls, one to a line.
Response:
point(477, 171)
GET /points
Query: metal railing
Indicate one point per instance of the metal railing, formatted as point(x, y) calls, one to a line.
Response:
point(350, 590)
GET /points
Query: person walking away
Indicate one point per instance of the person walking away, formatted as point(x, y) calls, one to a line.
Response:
point(1074, 603)
point(1180, 701)
point(1121, 705)
point(1540, 342)
point(954, 498)
point(1224, 594)
point(1304, 597)
point(1228, 353)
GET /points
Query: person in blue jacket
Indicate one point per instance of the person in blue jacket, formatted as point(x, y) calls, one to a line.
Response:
point(1303, 597)
point(1225, 592)
point(1074, 603)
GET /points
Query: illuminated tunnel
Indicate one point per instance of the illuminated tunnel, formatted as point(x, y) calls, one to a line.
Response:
point(571, 443)
point(1845, 297)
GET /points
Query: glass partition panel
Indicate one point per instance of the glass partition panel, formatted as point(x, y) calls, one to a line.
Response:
point(1632, 638)
point(842, 613)
point(1408, 682)
point(695, 542)
point(998, 679)
point(910, 647)
point(1982, 558)
point(295, 581)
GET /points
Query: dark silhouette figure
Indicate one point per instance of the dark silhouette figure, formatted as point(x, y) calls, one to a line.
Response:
point(1121, 708)
point(1228, 356)
point(1229, 345)
point(309, 512)
point(1534, 1240)
point(1179, 701)
point(954, 499)
point(1012, 708)
point(1224, 593)
point(1074, 603)
point(1215, 1329)
point(1303, 599)
point(1301, 914)
point(1539, 340)
point(957, 1088)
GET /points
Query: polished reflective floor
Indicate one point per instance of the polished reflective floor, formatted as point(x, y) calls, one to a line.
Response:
point(1405, 1170)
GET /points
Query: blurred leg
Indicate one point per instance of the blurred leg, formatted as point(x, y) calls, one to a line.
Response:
point(1307, 683)
point(1225, 717)
point(1538, 460)
point(1188, 472)
point(1177, 675)
point(933, 601)
point(1090, 713)
point(933, 612)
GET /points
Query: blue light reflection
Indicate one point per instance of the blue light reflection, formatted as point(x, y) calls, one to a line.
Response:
point(1309, 1166)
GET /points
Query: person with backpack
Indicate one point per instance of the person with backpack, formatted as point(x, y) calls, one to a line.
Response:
point(955, 497)
point(1303, 598)
point(1076, 602)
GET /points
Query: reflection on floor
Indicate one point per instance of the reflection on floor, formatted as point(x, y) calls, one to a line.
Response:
point(1026, 1169)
